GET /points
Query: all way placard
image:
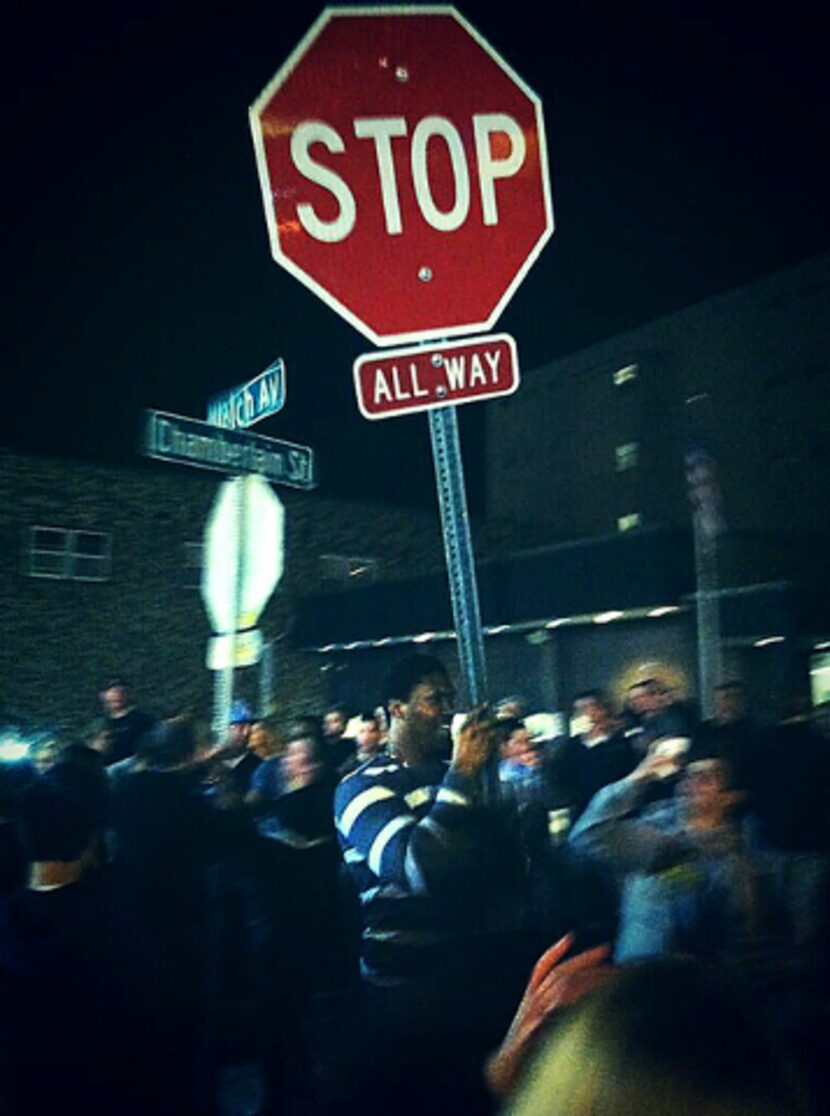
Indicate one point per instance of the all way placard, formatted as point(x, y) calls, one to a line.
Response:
point(421, 378)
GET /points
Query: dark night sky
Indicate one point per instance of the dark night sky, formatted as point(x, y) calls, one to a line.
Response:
point(688, 156)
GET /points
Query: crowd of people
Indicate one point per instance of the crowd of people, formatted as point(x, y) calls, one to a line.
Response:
point(350, 909)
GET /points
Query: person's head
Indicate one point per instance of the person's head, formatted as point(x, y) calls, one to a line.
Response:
point(419, 696)
point(706, 792)
point(168, 744)
point(83, 755)
point(592, 707)
point(369, 736)
point(99, 736)
point(45, 753)
point(646, 697)
point(672, 696)
point(302, 760)
point(305, 725)
point(62, 811)
point(668, 1036)
point(115, 696)
point(515, 744)
point(239, 725)
point(514, 705)
point(263, 740)
point(730, 702)
point(334, 723)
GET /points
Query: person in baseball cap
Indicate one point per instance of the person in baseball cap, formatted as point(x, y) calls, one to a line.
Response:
point(233, 763)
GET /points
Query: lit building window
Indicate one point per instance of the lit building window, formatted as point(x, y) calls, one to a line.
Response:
point(626, 456)
point(346, 569)
point(626, 375)
point(629, 522)
point(56, 552)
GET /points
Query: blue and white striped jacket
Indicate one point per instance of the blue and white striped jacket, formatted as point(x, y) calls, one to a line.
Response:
point(405, 835)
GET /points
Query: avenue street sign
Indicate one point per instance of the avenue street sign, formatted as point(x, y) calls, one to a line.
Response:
point(245, 405)
point(190, 442)
point(421, 378)
point(403, 169)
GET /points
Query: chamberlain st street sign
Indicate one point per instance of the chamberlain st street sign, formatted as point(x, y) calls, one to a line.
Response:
point(190, 442)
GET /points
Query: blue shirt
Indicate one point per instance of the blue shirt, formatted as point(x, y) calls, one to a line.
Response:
point(683, 890)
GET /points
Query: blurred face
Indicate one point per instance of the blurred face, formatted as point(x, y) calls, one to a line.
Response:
point(45, 756)
point(593, 712)
point(261, 741)
point(645, 699)
point(298, 763)
point(115, 700)
point(238, 734)
point(730, 705)
point(368, 738)
point(426, 716)
point(518, 748)
point(334, 724)
point(101, 741)
point(508, 709)
point(705, 792)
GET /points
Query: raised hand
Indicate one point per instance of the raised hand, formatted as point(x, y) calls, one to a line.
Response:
point(476, 741)
point(553, 985)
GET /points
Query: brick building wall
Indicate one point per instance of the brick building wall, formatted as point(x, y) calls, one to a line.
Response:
point(147, 620)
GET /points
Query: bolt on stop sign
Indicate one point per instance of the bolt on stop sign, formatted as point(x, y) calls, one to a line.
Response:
point(404, 171)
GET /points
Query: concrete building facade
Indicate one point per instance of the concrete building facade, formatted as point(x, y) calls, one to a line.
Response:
point(594, 442)
point(593, 445)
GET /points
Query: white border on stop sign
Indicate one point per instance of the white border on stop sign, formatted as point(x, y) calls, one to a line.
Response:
point(433, 333)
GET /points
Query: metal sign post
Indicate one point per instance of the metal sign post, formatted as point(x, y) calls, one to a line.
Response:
point(266, 679)
point(458, 548)
point(461, 572)
point(709, 525)
point(223, 682)
point(707, 610)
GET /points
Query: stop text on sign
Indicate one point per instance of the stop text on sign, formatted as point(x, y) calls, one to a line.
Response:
point(419, 378)
point(403, 169)
point(382, 131)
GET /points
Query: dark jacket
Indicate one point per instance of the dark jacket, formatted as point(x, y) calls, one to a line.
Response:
point(580, 771)
point(70, 1007)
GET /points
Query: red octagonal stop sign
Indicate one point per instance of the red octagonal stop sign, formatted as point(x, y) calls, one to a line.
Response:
point(404, 171)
